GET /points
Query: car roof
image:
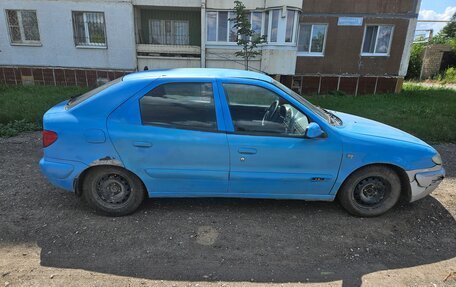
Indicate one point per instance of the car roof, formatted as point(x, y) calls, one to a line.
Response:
point(197, 73)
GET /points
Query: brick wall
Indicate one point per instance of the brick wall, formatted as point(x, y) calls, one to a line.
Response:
point(56, 76)
point(432, 58)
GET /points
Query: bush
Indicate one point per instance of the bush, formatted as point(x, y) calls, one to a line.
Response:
point(449, 76)
point(416, 61)
point(15, 127)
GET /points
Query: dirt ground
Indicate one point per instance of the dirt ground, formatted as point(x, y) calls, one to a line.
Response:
point(48, 237)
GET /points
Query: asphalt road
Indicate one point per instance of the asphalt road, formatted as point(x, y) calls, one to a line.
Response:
point(48, 237)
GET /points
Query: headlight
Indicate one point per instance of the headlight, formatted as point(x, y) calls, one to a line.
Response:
point(437, 159)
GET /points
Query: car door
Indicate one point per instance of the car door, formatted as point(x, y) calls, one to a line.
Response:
point(170, 137)
point(269, 154)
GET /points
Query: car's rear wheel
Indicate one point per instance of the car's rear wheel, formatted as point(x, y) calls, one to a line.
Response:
point(370, 191)
point(112, 190)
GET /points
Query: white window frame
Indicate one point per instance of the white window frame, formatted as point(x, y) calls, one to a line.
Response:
point(223, 43)
point(90, 45)
point(282, 28)
point(280, 34)
point(374, 54)
point(295, 28)
point(309, 53)
point(23, 42)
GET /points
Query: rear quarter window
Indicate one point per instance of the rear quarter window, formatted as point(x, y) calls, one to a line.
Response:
point(76, 100)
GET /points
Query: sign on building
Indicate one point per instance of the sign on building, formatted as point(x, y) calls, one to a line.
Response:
point(350, 21)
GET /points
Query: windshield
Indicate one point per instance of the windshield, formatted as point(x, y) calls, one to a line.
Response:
point(76, 99)
point(325, 114)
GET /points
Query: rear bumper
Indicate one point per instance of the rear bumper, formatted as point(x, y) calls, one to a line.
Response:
point(425, 181)
point(61, 173)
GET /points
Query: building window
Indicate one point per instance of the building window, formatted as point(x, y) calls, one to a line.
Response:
point(180, 105)
point(169, 32)
point(89, 29)
point(221, 29)
point(312, 38)
point(274, 26)
point(276, 29)
point(266, 25)
point(377, 40)
point(23, 26)
point(289, 33)
point(256, 21)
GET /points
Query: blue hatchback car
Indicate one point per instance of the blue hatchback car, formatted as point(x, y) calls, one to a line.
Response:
point(226, 133)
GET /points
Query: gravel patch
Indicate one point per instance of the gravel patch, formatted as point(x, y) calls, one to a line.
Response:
point(48, 237)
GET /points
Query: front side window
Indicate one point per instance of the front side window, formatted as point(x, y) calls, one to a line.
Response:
point(169, 32)
point(258, 111)
point(23, 26)
point(89, 29)
point(312, 38)
point(377, 40)
point(180, 105)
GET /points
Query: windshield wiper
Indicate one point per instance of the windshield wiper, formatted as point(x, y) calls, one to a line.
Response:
point(333, 118)
point(74, 97)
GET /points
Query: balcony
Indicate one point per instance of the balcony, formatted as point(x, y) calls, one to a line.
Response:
point(168, 32)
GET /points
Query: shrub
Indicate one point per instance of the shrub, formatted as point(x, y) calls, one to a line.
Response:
point(416, 61)
point(449, 76)
point(15, 127)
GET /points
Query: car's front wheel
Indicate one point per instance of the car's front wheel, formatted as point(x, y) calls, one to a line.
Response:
point(370, 191)
point(112, 190)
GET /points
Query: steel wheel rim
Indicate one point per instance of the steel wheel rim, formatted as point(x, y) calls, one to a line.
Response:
point(372, 191)
point(113, 189)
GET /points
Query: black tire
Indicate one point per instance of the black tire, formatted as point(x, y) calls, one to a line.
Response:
point(112, 190)
point(370, 191)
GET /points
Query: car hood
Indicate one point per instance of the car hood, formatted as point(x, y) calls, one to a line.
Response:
point(363, 126)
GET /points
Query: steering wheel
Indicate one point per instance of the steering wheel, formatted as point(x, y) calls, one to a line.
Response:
point(270, 112)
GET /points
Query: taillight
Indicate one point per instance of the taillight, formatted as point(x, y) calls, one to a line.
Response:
point(49, 137)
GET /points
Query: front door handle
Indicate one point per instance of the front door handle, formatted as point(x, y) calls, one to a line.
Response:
point(142, 144)
point(247, 150)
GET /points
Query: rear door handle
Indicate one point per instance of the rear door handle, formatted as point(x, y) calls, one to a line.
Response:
point(247, 150)
point(142, 144)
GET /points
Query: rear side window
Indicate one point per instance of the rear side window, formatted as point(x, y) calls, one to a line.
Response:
point(180, 105)
point(77, 99)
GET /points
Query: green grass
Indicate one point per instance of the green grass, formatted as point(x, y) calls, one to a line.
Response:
point(428, 113)
point(22, 107)
point(31, 102)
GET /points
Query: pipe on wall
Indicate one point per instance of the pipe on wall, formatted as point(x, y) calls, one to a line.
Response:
point(203, 33)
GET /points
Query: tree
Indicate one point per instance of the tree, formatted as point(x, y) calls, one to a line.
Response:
point(447, 35)
point(247, 38)
point(449, 31)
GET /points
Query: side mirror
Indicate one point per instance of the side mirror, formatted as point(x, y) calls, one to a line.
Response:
point(313, 131)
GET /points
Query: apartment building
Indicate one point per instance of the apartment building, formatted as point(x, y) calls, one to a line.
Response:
point(312, 46)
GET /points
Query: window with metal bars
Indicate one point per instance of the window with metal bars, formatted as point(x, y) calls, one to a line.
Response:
point(23, 26)
point(89, 29)
point(169, 32)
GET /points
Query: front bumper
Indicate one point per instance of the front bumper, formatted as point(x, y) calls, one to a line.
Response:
point(425, 181)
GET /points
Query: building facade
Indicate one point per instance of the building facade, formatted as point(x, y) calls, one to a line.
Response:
point(361, 47)
point(312, 46)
